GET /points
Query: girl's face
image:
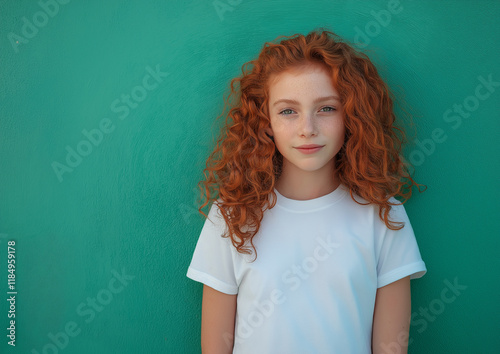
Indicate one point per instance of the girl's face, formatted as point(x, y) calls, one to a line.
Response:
point(305, 109)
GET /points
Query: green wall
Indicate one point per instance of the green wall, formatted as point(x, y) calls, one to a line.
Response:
point(100, 159)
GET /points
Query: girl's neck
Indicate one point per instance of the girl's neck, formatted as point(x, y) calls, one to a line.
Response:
point(306, 189)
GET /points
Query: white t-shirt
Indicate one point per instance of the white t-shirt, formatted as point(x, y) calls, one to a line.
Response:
point(312, 288)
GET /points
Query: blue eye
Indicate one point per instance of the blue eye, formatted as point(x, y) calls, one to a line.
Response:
point(332, 108)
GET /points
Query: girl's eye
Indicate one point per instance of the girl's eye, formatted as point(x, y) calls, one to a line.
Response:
point(332, 108)
point(288, 109)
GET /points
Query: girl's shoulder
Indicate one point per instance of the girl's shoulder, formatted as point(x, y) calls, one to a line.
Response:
point(362, 205)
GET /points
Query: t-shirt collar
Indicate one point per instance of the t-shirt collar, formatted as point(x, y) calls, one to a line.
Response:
point(311, 204)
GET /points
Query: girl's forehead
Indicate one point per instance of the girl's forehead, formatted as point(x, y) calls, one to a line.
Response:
point(297, 70)
point(308, 78)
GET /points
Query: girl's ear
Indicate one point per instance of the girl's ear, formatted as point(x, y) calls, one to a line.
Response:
point(269, 132)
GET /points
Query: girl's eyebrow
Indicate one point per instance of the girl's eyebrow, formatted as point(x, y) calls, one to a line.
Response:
point(315, 101)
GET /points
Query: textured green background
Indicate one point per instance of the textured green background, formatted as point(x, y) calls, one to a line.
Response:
point(129, 205)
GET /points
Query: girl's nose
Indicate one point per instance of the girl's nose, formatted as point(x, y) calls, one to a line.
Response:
point(308, 124)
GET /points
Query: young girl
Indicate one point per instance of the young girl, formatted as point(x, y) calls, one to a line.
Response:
point(305, 248)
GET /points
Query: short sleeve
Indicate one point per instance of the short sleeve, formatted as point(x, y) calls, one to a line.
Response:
point(398, 252)
point(212, 261)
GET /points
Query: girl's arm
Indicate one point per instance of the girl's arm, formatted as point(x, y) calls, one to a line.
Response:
point(391, 318)
point(217, 321)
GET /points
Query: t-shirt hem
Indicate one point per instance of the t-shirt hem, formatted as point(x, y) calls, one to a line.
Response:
point(212, 282)
point(414, 270)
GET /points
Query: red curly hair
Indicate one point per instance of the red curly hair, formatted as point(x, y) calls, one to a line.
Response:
point(245, 164)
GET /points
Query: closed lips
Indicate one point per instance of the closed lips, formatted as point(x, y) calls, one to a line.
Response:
point(311, 146)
